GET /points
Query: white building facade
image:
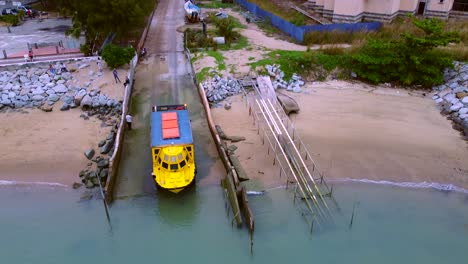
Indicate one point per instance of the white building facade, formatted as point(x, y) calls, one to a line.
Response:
point(353, 11)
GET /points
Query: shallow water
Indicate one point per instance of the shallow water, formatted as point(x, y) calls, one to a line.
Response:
point(391, 225)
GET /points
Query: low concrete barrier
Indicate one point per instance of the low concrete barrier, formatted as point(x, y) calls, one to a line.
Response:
point(141, 43)
point(114, 161)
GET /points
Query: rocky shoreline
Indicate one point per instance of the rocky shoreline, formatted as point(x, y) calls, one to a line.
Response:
point(452, 97)
point(218, 88)
point(37, 87)
point(34, 86)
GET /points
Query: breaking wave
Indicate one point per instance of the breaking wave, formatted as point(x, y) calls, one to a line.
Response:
point(416, 185)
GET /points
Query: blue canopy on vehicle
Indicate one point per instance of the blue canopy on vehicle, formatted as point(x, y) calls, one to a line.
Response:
point(185, 129)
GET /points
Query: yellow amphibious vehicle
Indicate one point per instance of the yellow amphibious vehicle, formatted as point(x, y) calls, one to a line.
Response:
point(172, 148)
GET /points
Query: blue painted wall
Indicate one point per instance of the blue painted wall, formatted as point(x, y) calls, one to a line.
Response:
point(298, 32)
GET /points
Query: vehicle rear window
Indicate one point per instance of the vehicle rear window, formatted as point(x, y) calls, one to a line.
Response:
point(174, 167)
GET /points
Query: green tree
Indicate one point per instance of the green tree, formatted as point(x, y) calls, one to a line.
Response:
point(225, 27)
point(116, 56)
point(410, 60)
point(100, 17)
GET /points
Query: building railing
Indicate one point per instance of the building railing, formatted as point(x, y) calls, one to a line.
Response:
point(460, 7)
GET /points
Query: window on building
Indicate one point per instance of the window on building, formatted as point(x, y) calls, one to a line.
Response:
point(460, 5)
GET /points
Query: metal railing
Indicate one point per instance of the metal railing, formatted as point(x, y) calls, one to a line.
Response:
point(457, 6)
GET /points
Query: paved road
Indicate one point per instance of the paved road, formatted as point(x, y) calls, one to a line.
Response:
point(36, 31)
point(164, 78)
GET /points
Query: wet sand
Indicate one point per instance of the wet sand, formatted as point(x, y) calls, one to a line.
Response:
point(362, 132)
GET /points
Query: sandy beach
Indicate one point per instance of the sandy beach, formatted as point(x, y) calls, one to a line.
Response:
point(359, 131)
point(48, 147)
point(353, 130)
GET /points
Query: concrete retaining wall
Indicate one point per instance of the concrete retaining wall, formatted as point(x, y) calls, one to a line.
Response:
point(114, 161)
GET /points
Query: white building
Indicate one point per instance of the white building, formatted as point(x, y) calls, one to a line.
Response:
point(353, 11)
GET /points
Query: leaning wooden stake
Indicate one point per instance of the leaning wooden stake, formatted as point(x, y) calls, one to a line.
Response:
point(251, 242)
point(232, 195)
point(352, 216)
point(106, 208)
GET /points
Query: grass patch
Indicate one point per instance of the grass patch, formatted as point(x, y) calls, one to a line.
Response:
point(299, 20)
point(219, 58)
point(216, 55)
point(457, 52)
point(196, 56)
point(331, 62)
point(251, 58)
point(237, 23)
point(268, 28)
point(204, 74)
point(285, 13)
point(389, 31)
point(212, 18)
point(241, 43)
point(303, 62)
point(215, 5)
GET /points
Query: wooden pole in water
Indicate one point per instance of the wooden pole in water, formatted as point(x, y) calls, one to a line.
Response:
point(352, 216)
point(106, 208)
point(251, 242)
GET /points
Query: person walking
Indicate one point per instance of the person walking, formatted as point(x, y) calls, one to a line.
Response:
point(204, 27)
point(52, 69)
point(129, 120)
point(127, 81)
point(31, 55)
point(99, 64)
point(116, 76)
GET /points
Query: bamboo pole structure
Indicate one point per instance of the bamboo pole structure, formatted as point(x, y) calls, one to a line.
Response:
point(289, 165)
point(307, 172)
point(290, 153)
point(231, 181)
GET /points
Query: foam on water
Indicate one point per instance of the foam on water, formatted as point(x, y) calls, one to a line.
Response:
point(416, 185)
point(25, 183)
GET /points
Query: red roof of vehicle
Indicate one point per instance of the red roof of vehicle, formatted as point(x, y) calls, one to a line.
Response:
point(170, 125)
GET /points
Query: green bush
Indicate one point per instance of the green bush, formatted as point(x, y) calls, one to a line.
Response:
point(225, 27)
point(116, 56)
point(411, 60)
point(299, 20)
point(10, 19)
point(85, 49)
point(196, 39)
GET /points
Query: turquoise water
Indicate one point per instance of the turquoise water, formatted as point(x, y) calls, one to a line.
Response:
point(391, 225)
